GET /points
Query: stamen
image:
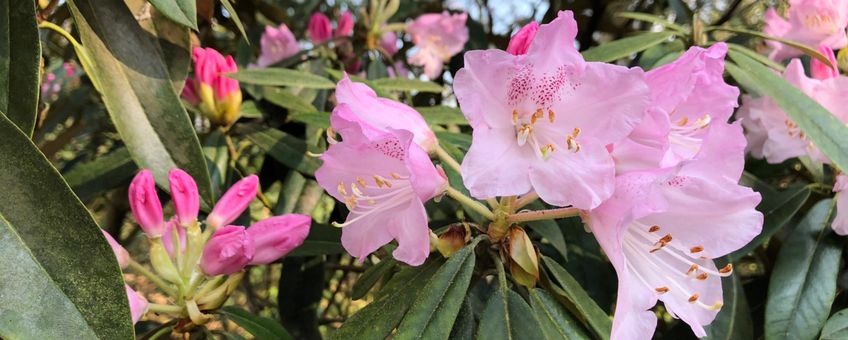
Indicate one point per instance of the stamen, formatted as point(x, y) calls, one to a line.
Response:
point(395, 175)
point(361, 182)
point(547, 150)
point(694, 298)
point(351, 202)
point(331, 136)
point(692, 269)
point(661, 290)
point(728, 269)
point(683, 121)
point(696, 249)
point(654, 228)
point(551, 116)
point(536, 115)
point(341, 189)
point(523, 133)
point(514, 117)
point(379, 181)
point(661, 243)
point(702, 276)
point(355, 190)
point(576, 132)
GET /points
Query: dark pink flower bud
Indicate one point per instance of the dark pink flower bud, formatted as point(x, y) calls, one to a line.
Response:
point(120, 253)
point(820, 70)
point(234, 202)
point(388, 41)
point(228, 251)
point(168, 237)
point(185, 196)
point(145, 204)
point(520, 42)
point(138, 304)
point(319, 29)
point(345, 26)
point(277, 236)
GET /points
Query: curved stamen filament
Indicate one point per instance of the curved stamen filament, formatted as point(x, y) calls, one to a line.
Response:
point(675, 253)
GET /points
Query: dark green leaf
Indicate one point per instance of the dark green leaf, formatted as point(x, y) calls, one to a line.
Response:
point(217, 158)
point(654, 19)
point(803, 284)
point(825, 130)
point(232, 11)
point(287, 100)
point(260, 327)
point(20, 62)
point(777, 209)
point(583, 305)
point(622, 48)
point(60, 279)
point(136, 88)
point(322, 240)
point(554, 320)
point(552, 233)
point(836, 327)
point(436, 115)
point(286, 149)
point(734, 319)
point(101, 174)
point(508, 317)
point(274, 76)
point(403, 84)
point(370, 277)
point(183, 12)
point(316, 119)
point(465, 324)
point(174, 40)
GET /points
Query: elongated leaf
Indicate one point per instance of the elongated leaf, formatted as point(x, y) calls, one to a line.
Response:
point(583, 305)
point(508, 317)
point(174, 40)
point(232, 11)
point(803, 283)
point(20, 60)
point(811, 51)
point(435, 115)
point(260, 327)
point(183, 12)
point(825, 130)
point(103, 173)
point(370, 277)
point(756, 56)
point(403, 84)
point(552, 233)
point(316, 119)
point(60, 279)
point(777, 209)
point(286, 149)
point(322, 240)
point(465, 324)
point(434, 311)
point(274, 76)
point(734, 319)
point(217, 160)
point(654, 19)
point(836, 327)
point(137, 90)
point(285, 99)
point(621, 48)
point(554, 320)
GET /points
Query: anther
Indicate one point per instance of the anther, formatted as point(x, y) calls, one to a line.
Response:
point(360, 181)
point(514, 116)
point(551, 116)
point(355, 190)
point(379, 181)
point(341, 189)
point(523, 133)
point(395, 175)
point(728, 269)
point(702, 276)
point(536, 115)
point(654, 228)
point(683, 121)
point(696, 249)
point(661, 290)
point(576, 132)
point(692, 269)
point(694, 298)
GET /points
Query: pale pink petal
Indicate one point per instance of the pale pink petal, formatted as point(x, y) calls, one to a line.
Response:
point(581, 179)
point(482, 87)
point(495, 165)
point(554, 43)
point(646, 146)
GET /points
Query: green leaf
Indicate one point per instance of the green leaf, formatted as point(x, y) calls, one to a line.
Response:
point(508, 317)
point(826, 131)
point(274, 76)
point(217, 160)
point(101, 174)
point(137, 90)
point(183, 12)
point(622, 48)
point(287, 100)
point(803, 284)
point(232, 11)
point(174, 40)
point(322, 240)
point(654, 19)
point(734, 319)
point(60, 279)
point(580, 302)
point(370, 277)
point(442, 115)
point(778, 209)
point(403, 84)
point(756, 56)
point(804, 48)
point(836, 327)
point(20, 63)
point(552, 233)
point(286, 149)
point(316, 119)
point(434, 311)
point(554, 320)
point(260, 327)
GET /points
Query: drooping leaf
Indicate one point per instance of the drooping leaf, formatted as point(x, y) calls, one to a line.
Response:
point(232, 11)
point(183, 12)
point(274, 76)
point(803, 284)
point(621, 48)
point(554, 320)
point(437, 115)
point(60, 279)
point(823, 128)
point(836, 327)
point(137, 90)
point(734, 319)
point(101, 174)
point(581, 304)
point(811, 51)
point(286, 149)
point(403, 84)
point(778, 209)
point(260, 327)
point(20, 61)
point(370, 277)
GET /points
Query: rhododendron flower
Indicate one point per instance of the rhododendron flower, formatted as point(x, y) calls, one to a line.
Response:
point(438, 37)
point(520, 42)
point(277, 44)
point(233, 202)
point(277, 236)
point(542, 120)
point(185, 196)
point(218, 97)
point(820, 70)
point(229, 250)
point(663, 227)
point(145, 205)
point(345, 25)
point(773, 135)
point(382, 113)
point(319, 28)
point(121, 254)
point(687, 97)
point(138, 304)
point(384, 179)
point(810, 22)
point(388, 41)
point(840, 222)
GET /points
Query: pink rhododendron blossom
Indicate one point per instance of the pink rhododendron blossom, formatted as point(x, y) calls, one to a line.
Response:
point(810, 22)
point(520, 42)
point(388, 41)
point(277, 44)
point(840, 222)
point(121, 254)
point(662, 228)
point(687, 97)
point(820, 70)
point(218, 96)
point(168, 237)
point(384, 179)
point(277, 236)
point(185, 196)
point(382, 113)
point(345, 25)
point(773, 135)
point(229, 250)
point(319, 28)
point(438, 37)
point(233, 202)
point(138, 304)
point(542, 120)
point(145, 205)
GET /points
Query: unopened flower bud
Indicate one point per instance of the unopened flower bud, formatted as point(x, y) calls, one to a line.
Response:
point(228, 251)
point(453, 239)
point(120, 253)
point(169, 241)
point(138, 304)
point(319, 28)
point(388, 41)
point(277, 236)
point(523, 261)
point(345, 25)
point(218, 97)
point(234, 202)
point(521, 41)
point(185, 196)
point(161, 262)
point(145, 204)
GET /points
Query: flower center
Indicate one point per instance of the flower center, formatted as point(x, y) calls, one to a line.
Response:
point(377, 194)
point(685, 132)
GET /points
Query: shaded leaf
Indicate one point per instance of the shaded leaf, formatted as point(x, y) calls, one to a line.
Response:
point(20, 62)
point(232, 11)
point(583, 305)
point(287, 100)
point(101, 174)
point(622, 48)
point(315, 119)
point(286, 149)
point(274, 76)
point(371, 276)
point(183, 12)
point(734, 319)
point(836, 327)
point(322, 240)
point(403, 84)
point(508, 317)
point(260, 327)
point(554, 320)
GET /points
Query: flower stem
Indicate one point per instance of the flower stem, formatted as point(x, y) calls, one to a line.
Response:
point(524, 200)
point(538, 215)
point(153, 277)
point(160, 308)
point(447, 159)
point(470, 203)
